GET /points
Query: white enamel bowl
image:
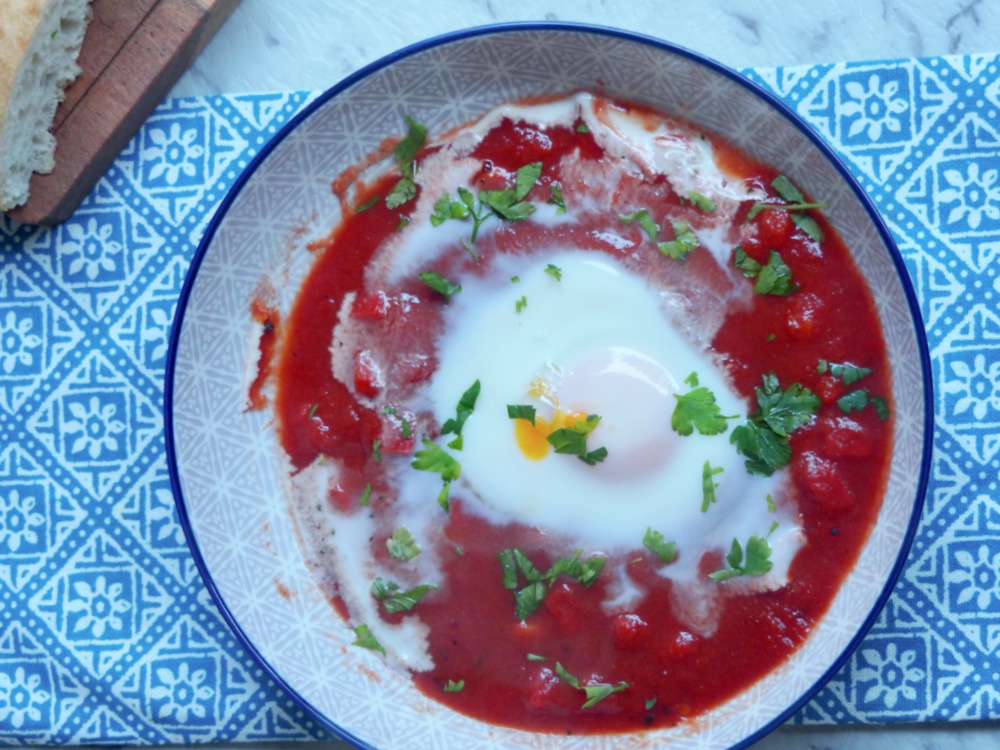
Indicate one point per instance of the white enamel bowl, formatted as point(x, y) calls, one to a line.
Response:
point(222, 458)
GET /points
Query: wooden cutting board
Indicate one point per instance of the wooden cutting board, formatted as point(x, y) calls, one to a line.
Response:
point(133, 53)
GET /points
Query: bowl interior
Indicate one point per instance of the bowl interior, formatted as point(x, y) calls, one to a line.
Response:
point(223, 457)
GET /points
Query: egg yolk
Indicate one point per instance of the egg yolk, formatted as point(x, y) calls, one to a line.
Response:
point(533, 439)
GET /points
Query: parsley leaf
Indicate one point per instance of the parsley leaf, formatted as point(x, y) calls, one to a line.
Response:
point(692, 380)
point(582, 571)
point(705, 204)
point(697, 410)
point(708, 485)
point(508, 568)
point(654, 541)
point(881, 407)
point(454, 687)
point(763, 440)
point(465, 406)
point(526, 178)
point(395, 600)
point(573, 441)
point(406, 150)
point(365, 639)
point(642, 218)
point(440, 284)
point(521, 411)
point(446, 208)
point(529, 598)
point(402, 545)
point(755, 563)
point(849, 374)
point(437, 459)
point(556, 198)
point(853, 401)
point(683, 243)
point(594, 693)
point(775, 277)
point(403, 191)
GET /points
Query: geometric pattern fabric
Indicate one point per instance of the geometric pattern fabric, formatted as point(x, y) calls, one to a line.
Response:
point(107, 634)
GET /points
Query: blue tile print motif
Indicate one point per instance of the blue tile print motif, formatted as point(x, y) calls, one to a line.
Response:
point(923, 139)
point(107, 634)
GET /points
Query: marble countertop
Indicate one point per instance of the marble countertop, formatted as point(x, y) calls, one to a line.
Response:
point(270, 45)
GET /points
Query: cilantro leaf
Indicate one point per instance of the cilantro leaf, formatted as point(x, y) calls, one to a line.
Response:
point(849, 374)
point(595, 457)
point(654, 541)
point(402, 545)
point(526, 178)
point(446, 208)
point(466, 404)
point(775, 277)
point(754, 561)
point(705, 204)
point(643, 219)
point(406, 150)
point(521, 411)
point(787, 190)
point(809, 225)
point(573, 441)
point(442, 498)
point(440, 284)
point(365, 639)
point(508, 568)
point(745, 263)
point(853, 401)
point(764, 450)
point(435, 458)
point(708, 485)
point(395, 600)
point(593, 693)
point(786, 410)
point(697, 410)
point(796, 205)
point(685, 240)
point(454, 687)
point(556, 198)
point(881, 407)
point(403, 191)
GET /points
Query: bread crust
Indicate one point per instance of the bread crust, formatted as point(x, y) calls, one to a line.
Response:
point(20, 19)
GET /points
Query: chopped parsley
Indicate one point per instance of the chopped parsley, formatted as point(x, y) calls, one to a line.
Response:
point(454, 687)
point(642, 218)
point(536, 657)
point(466, 404)
point(697, 410)
point(881, 407)
point(367, 204)
point(507, 204)
point(528, 598)
point(377, 450)
point(594, 693)
point(853, 401)
point(402, 546)
point(849, 374)
point(521, 303)
point(796, 206)
point(365, 639)
point(683, 243)
point(582, 128)
point(655, 543)
point(650, 703)
point(700, 201)
point(440, 284)
point(573, 441)
point(312, 411)
point(395, 600)
point(556, 198)
point(708, 486)
point(435, 458)
point(754, 561)
point(774, 277)
point(554, 271)
point(406, 151)
point(366, 494)
point(763, 440)
point(521, 411)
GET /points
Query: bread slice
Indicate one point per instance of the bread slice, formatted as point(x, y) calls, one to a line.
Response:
point(39, 43)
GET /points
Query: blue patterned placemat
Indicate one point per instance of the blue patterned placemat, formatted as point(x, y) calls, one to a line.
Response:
point(107, 634)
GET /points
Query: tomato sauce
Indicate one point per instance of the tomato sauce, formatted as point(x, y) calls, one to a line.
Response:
point(507, 667)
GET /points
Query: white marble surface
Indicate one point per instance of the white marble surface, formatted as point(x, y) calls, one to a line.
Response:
point(281, 45)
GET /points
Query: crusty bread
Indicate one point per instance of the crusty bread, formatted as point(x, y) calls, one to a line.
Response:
point(39, 43)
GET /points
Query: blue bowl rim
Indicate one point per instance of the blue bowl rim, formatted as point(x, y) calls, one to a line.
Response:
point(455, 36)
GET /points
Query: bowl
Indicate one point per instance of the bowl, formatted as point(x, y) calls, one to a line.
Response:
point(222, 458)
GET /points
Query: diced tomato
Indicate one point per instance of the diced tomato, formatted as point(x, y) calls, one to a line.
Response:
point(828, 388)
point(413, 368)
point(823, 480)
point(806, 316)
point(848, 439)
point(562, 603)
point(629, 632)
point(370, 306)
point(774, 228)
point(682, 645)
point(368, 378)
